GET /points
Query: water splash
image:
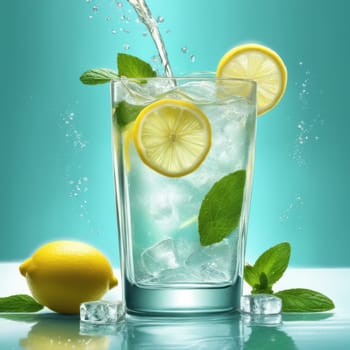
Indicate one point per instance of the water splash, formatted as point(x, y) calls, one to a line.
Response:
point(148, 20)
point(292, 209)
point(307, 132)
point(78, 186)
point(71, 132)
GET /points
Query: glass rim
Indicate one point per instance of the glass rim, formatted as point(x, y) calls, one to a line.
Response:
point(196, 76)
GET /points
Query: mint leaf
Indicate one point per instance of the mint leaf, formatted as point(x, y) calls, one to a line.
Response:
point(98, 76)
point(126, 113)
point(19, 303)
point(273, 262)
point(304, 300)
point(133, 67)
point(220, 210)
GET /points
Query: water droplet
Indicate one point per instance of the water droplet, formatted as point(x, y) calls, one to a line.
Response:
point(119, 4)
point(144, 34)
point(160, 19)
point(184, 49)
point(95, 8)
point(155, 58)
point(114, 31)
point(91, 17)
point(108, 18)
point(126, 46)
point(300, 63)
point(193, 58)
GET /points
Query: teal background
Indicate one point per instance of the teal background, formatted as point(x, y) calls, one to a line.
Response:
point(56, 176)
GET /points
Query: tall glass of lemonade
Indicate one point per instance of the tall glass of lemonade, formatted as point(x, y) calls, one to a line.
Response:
point(183, 159)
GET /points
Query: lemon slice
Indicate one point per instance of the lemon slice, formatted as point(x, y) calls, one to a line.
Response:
point(172, 137)
point(259, 63)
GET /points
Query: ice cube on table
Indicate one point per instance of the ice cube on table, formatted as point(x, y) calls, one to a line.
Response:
point(101, 312)
point(262, 320)
point(261, 304)
point(161, 256)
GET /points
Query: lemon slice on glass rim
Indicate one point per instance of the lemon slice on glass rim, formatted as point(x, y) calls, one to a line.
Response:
point(172, 137)
point(259, 63)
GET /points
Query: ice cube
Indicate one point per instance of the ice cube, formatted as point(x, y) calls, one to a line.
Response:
point(178, 275)
point(261, 304)
point(185, 247)
point(161, 256)
point(262, 320)
point(195, 91)
point(162, 207)
point(148, 92)
point(101, 312)
point(214, 263)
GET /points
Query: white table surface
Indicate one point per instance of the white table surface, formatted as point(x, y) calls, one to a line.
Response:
point(298, 331)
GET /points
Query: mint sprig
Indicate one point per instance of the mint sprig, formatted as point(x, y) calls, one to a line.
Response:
point(133, 67)
point(98, 76)
point(19, 303)
point(128, 66)
point(269, 268)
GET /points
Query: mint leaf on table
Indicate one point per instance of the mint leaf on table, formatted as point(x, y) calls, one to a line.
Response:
point(272, 263)
point(126, 113)
point(19, 303)
point(304, 300)
point(98, 76)
point(221, 208)
point(269, 268)
point(133, 67)
point(251, 276)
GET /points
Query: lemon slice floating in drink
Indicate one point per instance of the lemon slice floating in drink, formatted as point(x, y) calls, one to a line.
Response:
point(172, 137)
point(259, 63)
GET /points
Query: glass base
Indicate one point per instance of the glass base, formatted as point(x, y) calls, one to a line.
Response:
point(179, 301)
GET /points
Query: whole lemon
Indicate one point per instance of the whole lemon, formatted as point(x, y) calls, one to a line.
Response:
point(63, 274)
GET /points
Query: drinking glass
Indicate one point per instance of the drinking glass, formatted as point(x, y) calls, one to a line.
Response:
point(182, 235)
